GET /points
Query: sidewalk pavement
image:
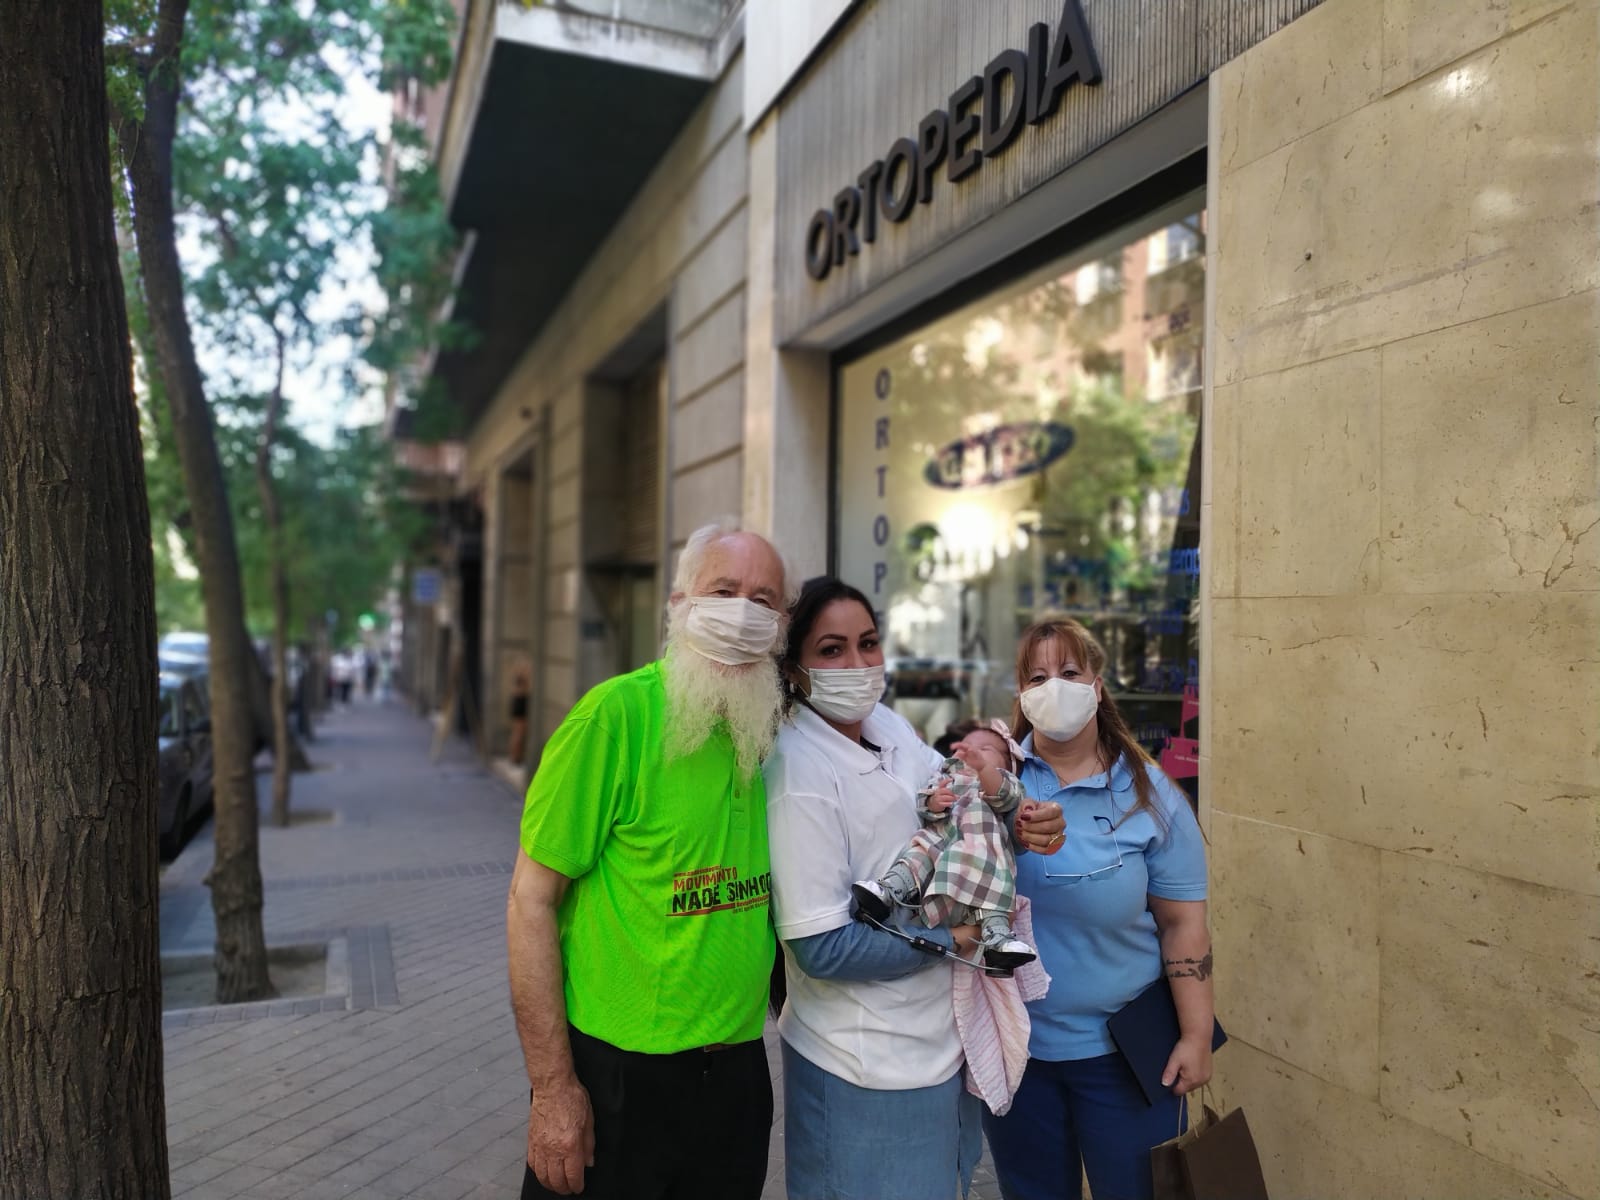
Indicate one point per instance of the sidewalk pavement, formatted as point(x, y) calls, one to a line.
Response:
point(410, 1084)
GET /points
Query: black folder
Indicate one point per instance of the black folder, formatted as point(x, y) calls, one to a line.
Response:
point(1145, 1030)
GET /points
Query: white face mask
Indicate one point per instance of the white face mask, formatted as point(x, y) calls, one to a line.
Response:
point(846, 694)
point(730, 630)
point(1060, 708)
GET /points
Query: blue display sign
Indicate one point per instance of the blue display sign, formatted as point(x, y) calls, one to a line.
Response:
point(426, 585)
point(1003, 453)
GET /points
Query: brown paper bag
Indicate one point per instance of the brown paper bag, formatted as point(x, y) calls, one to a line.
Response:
point(1214, 1160)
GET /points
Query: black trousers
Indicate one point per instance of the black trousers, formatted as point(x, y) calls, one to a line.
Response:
point(687, 1126)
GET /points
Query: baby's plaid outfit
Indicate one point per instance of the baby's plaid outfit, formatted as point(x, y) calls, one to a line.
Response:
point(962, 857)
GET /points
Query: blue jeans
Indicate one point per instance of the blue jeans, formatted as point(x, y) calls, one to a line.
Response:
point(1071, 1118)
point(843, 1142)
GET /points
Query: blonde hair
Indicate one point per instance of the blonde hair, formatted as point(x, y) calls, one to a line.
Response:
point(1115, 739)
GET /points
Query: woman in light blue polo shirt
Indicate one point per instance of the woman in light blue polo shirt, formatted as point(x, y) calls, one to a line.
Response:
point(1120, 905)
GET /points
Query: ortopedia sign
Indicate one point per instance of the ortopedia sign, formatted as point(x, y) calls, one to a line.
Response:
point(984, 116)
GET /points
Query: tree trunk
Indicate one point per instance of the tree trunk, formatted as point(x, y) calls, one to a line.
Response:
point(82, 1111)
point(280, 597)
point(235, 877)
point(261, 703)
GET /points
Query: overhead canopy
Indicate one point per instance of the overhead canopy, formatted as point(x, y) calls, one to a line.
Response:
point(573, 112)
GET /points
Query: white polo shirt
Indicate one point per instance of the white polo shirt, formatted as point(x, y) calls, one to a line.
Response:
point(838, 812)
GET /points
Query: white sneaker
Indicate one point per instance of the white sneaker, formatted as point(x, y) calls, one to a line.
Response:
point(873, 899)
point(1006, 952)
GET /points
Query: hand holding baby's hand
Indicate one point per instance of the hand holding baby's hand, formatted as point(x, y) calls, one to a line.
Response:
point(1040, 826)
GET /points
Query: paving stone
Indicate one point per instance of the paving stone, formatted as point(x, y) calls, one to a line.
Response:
point(442, 1188)
point(412, 1084)
point(240, 1178)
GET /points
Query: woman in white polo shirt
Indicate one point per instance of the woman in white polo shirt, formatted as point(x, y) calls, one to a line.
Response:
point(873, 1097)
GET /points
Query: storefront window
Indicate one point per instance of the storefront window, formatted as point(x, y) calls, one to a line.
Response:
point(1039, 451)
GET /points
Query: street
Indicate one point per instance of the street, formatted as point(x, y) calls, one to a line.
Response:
point(413, 1084)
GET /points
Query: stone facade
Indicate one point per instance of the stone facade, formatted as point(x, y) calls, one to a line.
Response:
point(1400, 742)
point(677, 259)
point(1399, 768)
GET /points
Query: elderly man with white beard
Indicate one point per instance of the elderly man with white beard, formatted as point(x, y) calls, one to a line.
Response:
point(638, 929)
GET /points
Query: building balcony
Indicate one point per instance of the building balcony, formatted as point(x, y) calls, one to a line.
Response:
point(555, 117)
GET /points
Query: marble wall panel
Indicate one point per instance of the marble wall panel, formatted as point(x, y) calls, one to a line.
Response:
point(1295, 921)
point(1308, 521)
point(1325, 65)
point(1491, 463)
point(1460, 729)
point(1420, 36)
point(1491, 1016)
point(1317, 1140)
point(1357, 234)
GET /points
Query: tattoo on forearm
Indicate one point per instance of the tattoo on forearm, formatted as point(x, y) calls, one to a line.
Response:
point(1188, 968)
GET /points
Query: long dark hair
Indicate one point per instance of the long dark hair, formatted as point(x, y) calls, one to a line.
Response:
point(1116, 740)
point(817, 594)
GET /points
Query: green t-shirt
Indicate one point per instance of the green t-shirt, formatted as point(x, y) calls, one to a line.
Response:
point(666, 942)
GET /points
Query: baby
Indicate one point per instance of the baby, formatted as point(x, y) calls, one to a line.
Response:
point(959, 869)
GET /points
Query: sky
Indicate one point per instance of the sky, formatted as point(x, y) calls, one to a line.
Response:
point(318, 402)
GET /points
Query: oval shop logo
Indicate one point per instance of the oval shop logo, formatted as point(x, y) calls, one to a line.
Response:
point(1003, 453)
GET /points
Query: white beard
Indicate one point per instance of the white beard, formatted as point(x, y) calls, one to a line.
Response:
point(702, 694)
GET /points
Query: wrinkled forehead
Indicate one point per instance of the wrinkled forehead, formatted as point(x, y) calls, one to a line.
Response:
point(743, 563)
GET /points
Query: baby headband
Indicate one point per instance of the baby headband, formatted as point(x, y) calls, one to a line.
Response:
point(997, 725)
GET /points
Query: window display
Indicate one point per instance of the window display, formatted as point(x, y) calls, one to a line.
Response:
point(1039, 451)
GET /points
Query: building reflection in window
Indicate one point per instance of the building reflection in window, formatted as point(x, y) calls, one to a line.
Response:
point(1039, 451)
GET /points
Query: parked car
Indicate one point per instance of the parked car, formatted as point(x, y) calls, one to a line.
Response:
point(186, 770)
point(175, 662)
point(195, 645)
point(188, 656)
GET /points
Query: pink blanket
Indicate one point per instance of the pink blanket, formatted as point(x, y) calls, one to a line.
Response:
point(993, 1023)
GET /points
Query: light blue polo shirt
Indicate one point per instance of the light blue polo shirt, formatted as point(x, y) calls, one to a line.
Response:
point(1096, 936)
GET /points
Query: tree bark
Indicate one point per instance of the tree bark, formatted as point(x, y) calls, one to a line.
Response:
point(82, 1111)
point(235, 877)
point(280, 595)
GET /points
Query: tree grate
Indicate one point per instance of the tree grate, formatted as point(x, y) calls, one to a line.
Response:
point(372, 981)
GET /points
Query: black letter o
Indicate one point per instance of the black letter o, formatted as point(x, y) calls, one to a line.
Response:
point(819, 244)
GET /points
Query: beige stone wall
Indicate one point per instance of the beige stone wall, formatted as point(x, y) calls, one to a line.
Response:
point(1401, 771)
point(786, 435)
point(679, 246)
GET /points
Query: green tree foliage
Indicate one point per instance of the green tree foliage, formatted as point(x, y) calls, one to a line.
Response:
point(345, 525)
point(414, 247)
point(344, 528)
point(283, 206)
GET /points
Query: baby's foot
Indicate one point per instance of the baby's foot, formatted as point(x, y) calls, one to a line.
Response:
point(1004, 949)
point(873, 899)
point(878, 897)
